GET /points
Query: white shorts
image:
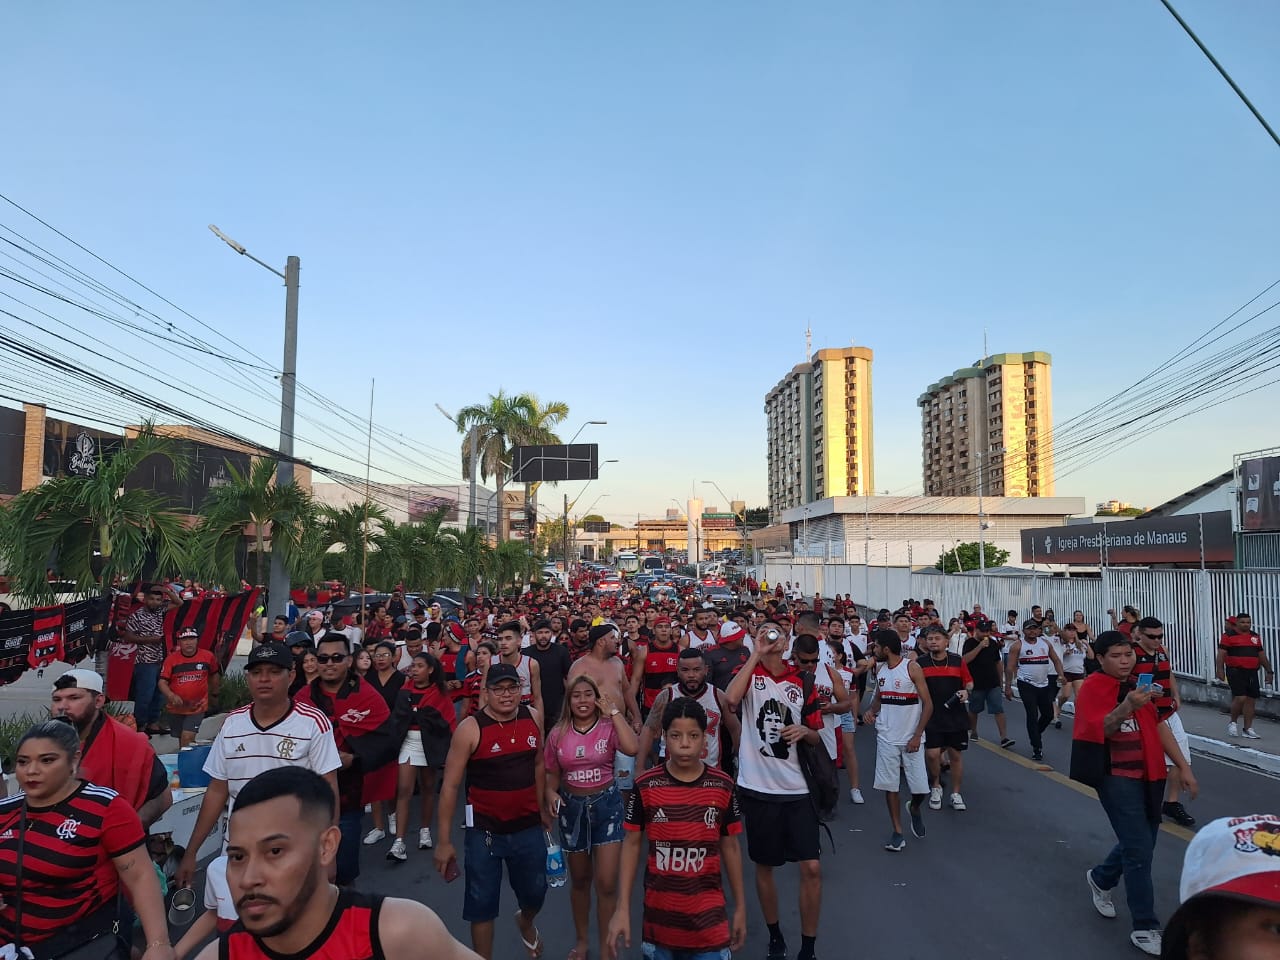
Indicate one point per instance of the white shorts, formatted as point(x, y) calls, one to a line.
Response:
point(892, 759)
point(1174, 723)
point(411, 751)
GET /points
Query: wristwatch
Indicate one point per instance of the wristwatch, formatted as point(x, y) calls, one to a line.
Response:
point(614, 712)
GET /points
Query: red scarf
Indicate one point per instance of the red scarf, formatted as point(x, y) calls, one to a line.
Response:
point(1090, 757)
point(118, 758)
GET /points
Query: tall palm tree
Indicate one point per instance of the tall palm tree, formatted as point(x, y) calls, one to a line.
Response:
point(251, 497)
point(351, 527)
point(93, 529)
point(470, 558)
point(413, 554)
point(510, 564)
point(506, 421)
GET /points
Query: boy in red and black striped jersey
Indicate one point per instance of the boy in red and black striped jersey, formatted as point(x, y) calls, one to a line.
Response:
point(691, 814)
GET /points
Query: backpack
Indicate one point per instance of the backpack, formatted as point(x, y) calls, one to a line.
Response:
point(819, 769)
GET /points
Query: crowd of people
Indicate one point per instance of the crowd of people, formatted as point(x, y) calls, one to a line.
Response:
point(610, 731)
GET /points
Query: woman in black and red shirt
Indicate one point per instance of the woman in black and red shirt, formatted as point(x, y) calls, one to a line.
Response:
point(65, 847)
point(424, 709)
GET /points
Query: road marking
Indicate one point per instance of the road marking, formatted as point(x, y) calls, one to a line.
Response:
point(1182, 833)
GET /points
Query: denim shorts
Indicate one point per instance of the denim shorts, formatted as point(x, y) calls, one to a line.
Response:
point(484, 853)
point(590, 822)
point(993, 698)
point(651, 951)
point(847, 723)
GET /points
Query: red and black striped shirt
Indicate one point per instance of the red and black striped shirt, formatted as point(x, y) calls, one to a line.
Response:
point(1157, 664)
point(1243, 650)
point(684, 906)
point(501, 788)
point(67, 873)
point(350, 934)
point(945, 678)
point(660, 670)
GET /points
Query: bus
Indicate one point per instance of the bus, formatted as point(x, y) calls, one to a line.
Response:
point(652, 564)
point(627, 563)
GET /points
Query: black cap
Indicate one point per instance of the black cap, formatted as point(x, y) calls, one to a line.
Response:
point(299, 638)
point(599, 633)
point(276, 654)
point(499, 672)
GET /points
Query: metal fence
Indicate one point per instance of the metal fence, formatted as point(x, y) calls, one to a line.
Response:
point(1194, 604)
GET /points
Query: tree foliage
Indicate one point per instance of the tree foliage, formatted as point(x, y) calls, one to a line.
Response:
point(964, 557)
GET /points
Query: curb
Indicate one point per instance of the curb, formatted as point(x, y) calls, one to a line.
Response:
point(1222, 750)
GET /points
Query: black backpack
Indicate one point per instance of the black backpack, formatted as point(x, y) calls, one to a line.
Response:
point(819, 769)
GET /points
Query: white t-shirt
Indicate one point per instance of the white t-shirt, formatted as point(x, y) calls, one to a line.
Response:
point(955, 644)
point(766, 763)
point(217, 893)
point(242, 750)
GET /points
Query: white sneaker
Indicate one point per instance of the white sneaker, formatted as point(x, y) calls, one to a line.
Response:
point(1069, 708)
point(1250, 735)
point(1101, 898)
point(424, 839)
point(1233, 730)
point(397, 851)
point(373, 836)
point(957, 802)
point(391, 823)
point(856, 795)
point(1148, 941)
point(935, 798)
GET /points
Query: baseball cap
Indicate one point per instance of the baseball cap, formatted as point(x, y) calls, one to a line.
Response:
point(599, 633)
point(83, 679)
point(299, 638)
point(1234, 857)
point(500, 672)
point(276, 654)
point(730, 631)
point(187, 632)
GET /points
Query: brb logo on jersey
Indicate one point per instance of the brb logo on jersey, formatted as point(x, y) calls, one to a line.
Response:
point(669, 859)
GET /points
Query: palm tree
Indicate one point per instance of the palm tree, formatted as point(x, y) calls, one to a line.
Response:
point(510, 563)
point(506, 421)
point(470, 558)
point(413, 554)
point(351, 527)
point(252, 497)
point(93, 529)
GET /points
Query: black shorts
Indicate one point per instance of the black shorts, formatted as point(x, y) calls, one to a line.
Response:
point(780, 831)
point(1244, 683)
point(949, 739)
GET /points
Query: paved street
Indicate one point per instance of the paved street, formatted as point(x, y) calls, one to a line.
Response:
point(990, 882)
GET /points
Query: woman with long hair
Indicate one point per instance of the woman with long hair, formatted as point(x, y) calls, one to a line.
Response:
point(582, 795)
point(1075, 651)
point(956, 636)
point(66, 847)
point(387, 680)
point(425, 710)
point(1083, 630)
point(361, 662)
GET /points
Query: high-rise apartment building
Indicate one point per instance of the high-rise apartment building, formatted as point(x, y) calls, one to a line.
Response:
point(819, 430)
point(992, 420)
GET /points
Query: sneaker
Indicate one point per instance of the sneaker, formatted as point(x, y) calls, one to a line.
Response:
point(917, 822)
point(896, 843)
point(1250, 735)
point(1057, 724)
point(1148, 941)
point(777, 951)
point(856, 795)
point(391, 824)
point(1006, 743)
point(373, 836)
point(957, 802)
point(1069, 709)
point(935, 800)
point(1101, 898)
point(397, 851)
point(1178, 814)
point(424, 839)
point(1232, 729)
point(1038, 757)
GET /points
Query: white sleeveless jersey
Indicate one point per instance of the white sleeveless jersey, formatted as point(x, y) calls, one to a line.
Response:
point(1033, 662)
point(899, 702)
point(526, 680)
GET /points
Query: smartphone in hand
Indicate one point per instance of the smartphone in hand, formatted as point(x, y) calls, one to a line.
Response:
point(1145, 681)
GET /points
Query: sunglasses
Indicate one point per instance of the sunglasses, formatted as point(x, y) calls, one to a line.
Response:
point(806, 662)
point(330, 657)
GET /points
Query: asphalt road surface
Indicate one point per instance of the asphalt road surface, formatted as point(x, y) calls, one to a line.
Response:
point(1003, 879)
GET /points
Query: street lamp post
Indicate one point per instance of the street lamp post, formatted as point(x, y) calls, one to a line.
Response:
point(474, 436)
point(278, 585)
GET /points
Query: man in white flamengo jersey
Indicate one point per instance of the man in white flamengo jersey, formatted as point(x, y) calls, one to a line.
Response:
point(692, 671)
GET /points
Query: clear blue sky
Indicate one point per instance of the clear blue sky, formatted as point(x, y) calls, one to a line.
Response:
point(638, 208)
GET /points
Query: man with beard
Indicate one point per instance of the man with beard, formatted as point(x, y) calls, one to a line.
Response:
point(281, 843)
point(729, 655)
point(367, 744)
point(703, 633)
point(579, 643)
point(553, 667)
point(112, 755)
point(692, 683)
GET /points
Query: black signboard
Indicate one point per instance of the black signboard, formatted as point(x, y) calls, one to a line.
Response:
point(596, 526)
point(1260, 494)
point(206, 470)
point(577, 461)
point(1157, 540)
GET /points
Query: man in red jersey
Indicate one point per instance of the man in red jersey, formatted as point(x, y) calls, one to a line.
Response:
point(1240, 654)
point(657, 670)
point(690, 811)
point(281, 844)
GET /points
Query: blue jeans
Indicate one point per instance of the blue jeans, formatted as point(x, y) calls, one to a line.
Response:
point(484, 853)
point(651, 951)
point(146, 693)
point(349, 847)
point(1135, 818)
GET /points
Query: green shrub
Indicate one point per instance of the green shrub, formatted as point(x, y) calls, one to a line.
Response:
point(233, 693)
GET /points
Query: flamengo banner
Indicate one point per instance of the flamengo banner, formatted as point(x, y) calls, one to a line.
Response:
point(67, 632)
point(1158, 540)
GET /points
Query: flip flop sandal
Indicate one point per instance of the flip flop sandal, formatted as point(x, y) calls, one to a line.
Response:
point(534, 948)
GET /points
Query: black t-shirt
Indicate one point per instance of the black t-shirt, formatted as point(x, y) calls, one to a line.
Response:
point(553, 666)
point(723, 664)
point(984, 668)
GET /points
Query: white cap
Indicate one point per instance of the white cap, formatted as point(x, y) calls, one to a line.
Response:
point(84, 679)
point(1236, 857)
point(730, 631)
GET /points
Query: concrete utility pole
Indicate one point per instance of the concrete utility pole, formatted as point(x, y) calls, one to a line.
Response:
point(474, 436)
point(278, 584)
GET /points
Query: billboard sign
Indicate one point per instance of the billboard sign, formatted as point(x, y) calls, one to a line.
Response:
point(426, 501)
point(1158, 540)
point(550, 464)
point(596, 526)
point(1260, 494)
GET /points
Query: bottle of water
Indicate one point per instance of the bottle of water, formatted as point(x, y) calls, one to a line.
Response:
point(555, 863)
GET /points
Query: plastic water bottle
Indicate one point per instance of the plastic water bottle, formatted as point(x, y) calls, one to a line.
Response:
point(555, 863)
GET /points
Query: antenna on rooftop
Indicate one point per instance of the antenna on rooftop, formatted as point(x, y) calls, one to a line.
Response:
point(808, 344)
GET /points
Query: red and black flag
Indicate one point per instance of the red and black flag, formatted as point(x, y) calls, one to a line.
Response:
point(46, 636)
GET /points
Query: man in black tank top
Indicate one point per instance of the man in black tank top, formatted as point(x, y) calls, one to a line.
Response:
point(280, 845)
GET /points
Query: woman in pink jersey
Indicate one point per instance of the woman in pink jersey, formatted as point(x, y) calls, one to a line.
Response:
point(582, 795)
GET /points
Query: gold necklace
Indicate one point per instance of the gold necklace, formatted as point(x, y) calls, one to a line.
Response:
point(502, 730)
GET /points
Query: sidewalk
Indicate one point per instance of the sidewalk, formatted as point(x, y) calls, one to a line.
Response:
point(1206, 727)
